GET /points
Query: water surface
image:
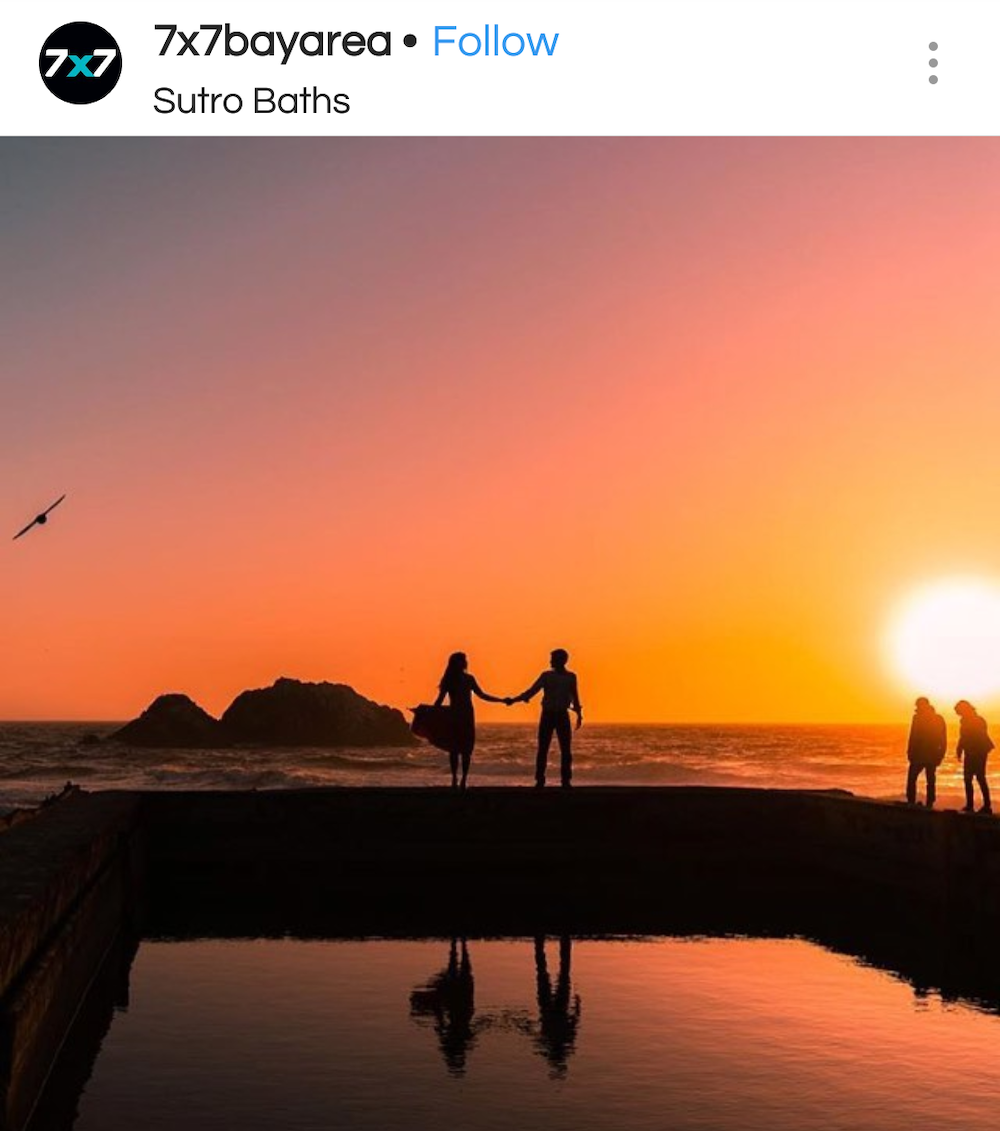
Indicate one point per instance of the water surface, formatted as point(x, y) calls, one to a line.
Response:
point(36, 759)
point(583, 1034)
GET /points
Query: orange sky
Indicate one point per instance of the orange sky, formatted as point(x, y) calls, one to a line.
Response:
point(699, 410)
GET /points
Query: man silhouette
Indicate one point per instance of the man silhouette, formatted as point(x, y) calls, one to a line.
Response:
point(925, 750)
point(560, 695)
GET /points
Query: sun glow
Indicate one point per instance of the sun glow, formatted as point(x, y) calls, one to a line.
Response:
point(944, 639)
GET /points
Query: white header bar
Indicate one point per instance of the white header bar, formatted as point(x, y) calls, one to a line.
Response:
point(528, 68)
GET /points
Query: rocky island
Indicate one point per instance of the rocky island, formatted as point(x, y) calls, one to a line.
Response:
point(288, 713)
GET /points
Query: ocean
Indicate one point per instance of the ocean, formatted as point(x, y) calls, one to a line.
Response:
point(37, 759)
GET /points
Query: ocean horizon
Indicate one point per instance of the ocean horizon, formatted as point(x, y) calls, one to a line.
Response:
point(38, 758)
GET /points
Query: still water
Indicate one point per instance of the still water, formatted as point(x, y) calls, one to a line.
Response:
point(578, 1034)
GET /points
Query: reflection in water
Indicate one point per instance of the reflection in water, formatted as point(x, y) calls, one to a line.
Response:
point(448, 999)
point(558, 1010)
point(759, 1035)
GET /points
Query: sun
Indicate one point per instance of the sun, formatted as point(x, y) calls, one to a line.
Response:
point(944, 639)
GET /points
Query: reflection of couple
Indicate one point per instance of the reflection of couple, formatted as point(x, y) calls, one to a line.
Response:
point(560, 696)
point(448, 999)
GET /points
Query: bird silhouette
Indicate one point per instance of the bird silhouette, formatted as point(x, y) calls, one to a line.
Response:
point(39, 519)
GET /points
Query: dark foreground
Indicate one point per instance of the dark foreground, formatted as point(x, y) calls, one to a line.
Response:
point(906, 889)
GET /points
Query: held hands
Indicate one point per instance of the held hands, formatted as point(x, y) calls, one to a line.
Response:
point(579, 719)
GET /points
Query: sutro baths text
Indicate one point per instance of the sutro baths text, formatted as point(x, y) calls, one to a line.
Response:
point(308, 100)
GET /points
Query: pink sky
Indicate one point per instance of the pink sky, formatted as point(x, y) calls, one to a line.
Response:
point(699, 410)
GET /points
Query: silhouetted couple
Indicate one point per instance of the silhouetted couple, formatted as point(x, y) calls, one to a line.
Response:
point(560, 696)
point(928, 743)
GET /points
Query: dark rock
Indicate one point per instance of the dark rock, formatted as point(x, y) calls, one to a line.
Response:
point(291, 713)
point(172, 720)
point(288, 713)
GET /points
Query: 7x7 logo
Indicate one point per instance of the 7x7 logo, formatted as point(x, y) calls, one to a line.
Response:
point(80, 51)
point(80, 64)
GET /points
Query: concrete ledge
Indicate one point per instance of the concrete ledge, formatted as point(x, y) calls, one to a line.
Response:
point(64, 878)
point(45, 866)
point(587, 826)
point(42, 1009)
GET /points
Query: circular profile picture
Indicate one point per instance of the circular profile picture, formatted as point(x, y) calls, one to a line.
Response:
point(80, 63)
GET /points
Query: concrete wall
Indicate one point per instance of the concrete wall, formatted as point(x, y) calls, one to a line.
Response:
point(670, 831)
point(65, 884)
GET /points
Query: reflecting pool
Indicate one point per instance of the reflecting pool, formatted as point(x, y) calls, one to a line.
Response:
point(556, 1032)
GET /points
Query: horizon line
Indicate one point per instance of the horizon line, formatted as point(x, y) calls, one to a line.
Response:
point(533, 723)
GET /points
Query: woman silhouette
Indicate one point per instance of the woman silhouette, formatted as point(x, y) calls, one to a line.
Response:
point(460, 686)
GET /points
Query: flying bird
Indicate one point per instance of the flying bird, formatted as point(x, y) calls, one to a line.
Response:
point(39, 519)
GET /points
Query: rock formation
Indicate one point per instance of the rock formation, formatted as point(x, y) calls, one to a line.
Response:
point(172, 720)
point(288, 713)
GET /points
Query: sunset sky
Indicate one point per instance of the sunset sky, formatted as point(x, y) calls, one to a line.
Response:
point(700, 410)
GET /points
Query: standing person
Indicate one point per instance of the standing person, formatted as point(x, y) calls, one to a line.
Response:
point(925, 750)
point(974, 743)
point(459, 686)
point(560, 695)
